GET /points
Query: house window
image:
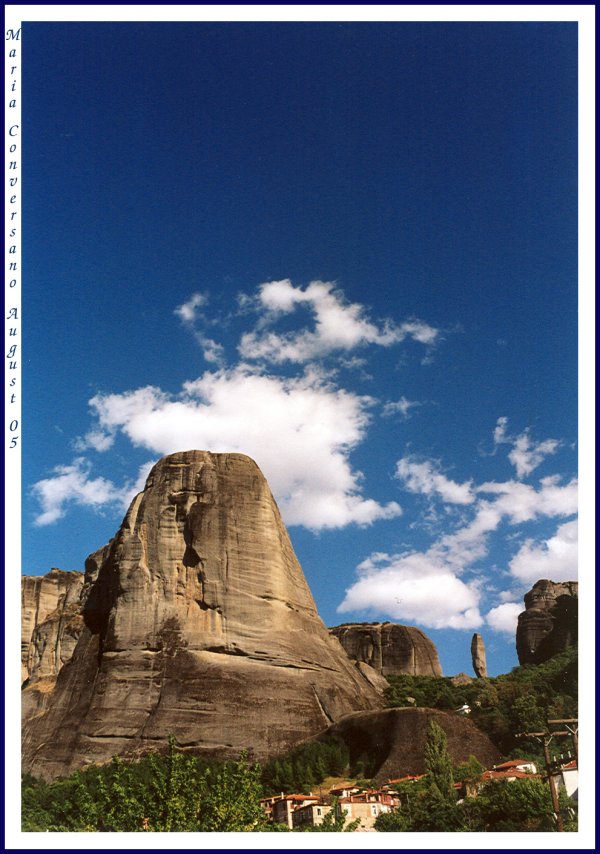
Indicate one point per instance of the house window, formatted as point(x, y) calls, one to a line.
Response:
point(374, 809)
point(319, 811)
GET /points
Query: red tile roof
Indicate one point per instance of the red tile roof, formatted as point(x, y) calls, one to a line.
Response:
point(508, 774)
point(513, 763)
point(405, 779)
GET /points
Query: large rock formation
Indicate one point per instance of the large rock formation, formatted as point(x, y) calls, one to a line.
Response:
point(50, 621)
point(478, 656)
point(389, 744)
point(198, 622)
point(549, 623)
point(391, 649)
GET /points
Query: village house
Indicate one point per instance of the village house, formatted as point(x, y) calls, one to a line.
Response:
point(310, 815)
point(343, 790)
point(282, 809)
point(267, 805)
point(366, 806)
point(517, 765)
point(515, 769)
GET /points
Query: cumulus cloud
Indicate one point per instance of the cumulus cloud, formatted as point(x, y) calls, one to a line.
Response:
point(521, 502)
point(74, 485)
point(299, 430)
point(414, 588)
point(526, 455)
point(426, 587)
point(555, 558)
point(504, 618)
point(339, 326)
point(425, 478)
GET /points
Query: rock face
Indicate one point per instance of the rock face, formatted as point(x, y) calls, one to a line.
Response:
point(389, 744)
point(50, 621)
point(198, 622)
point(391, 649)
point(478, 656)
point(549, 623)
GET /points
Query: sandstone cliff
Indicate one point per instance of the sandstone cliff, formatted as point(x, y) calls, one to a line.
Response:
point(50, 621)
point(197, 622)
point(549, 623)
point(391, 649)
point(390, 743)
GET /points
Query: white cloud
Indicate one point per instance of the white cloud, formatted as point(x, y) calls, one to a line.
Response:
point(504, 618)
point(401, 407)
point(338, 325)
point(73, 485)
point(555, 559)
point(189, 314)
point(413, 588)
point(425, 586)
point(188, 311)
point(523, 503)
point(425, 478)
point(299, 430)
point(526, 455)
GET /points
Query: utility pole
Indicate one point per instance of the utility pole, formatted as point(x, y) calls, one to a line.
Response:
point(545, 738)
point(572, 727)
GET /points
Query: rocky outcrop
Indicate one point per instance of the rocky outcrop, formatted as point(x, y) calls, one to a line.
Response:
point(389, 648)
point(50, 621)
point(198, 622)
point(549, 623)
point(478, 656)
point(461, 679)
point(389, 744)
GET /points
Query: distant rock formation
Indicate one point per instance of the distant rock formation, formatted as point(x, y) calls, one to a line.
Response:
point(389, 743)
point(197, 622)
point(478, 656)
point(50, 621)
point(549, 623)
point(389, 648)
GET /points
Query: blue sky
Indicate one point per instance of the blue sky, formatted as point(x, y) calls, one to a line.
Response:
point(347, 250)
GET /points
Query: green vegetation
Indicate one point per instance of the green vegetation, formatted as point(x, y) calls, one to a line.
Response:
point(431, 805)
point(501, 806)
point(174, 792)
point(502, 706)
point(438, 763)
point(306, 766)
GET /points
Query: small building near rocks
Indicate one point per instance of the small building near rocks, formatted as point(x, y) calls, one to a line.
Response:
point(282, 809)
point(310, 815)
point(366, 806)
point(525, 765)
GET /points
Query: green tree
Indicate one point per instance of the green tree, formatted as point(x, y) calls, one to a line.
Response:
point(469, 771)
point(517, 805)
point(526, 714)
point(438, 763)
point(230, 801)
